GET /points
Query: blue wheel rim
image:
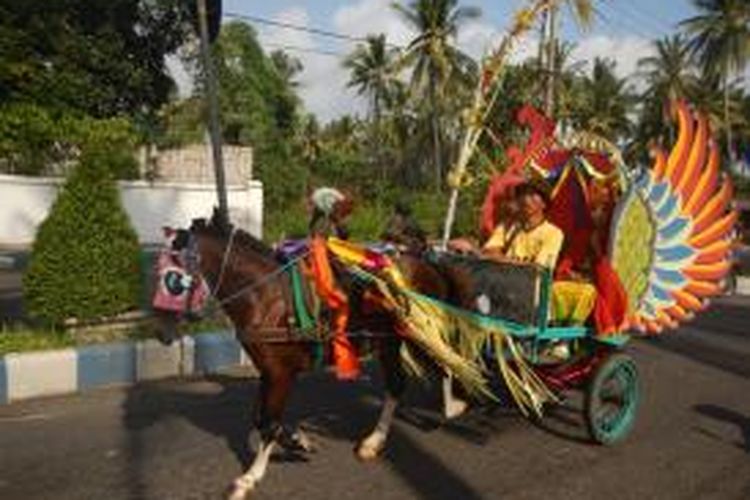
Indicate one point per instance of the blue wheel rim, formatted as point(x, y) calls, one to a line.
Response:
point(615, 401)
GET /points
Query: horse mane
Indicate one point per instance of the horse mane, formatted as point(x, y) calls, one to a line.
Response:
point(242, 239)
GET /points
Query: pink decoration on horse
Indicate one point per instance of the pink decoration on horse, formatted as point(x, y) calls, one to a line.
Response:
point(176, 289)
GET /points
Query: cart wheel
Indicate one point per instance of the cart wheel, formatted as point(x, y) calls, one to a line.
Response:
point(611, 400)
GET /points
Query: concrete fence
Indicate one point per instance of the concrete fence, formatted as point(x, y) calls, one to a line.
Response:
point(26, 201)
point(65, 371)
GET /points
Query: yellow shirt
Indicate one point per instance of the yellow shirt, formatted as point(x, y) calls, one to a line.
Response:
point(540, 245)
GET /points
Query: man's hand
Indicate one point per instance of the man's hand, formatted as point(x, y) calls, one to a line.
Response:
point(497, 255)
point(462, 245)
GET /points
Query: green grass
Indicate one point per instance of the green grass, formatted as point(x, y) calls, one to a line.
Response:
point(19, 338)
point(22, 340)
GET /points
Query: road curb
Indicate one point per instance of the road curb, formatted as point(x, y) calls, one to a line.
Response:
point(3, 382)
point(743, 285)
point(65, 371)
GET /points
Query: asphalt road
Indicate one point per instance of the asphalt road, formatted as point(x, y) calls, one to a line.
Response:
point(187, 439)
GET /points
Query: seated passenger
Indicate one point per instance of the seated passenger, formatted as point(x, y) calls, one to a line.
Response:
point(529, 239)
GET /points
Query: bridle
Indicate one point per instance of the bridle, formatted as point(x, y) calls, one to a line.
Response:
point(224, 261)
point(194, 256)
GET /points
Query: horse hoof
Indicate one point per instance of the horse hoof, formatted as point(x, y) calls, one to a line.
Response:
point(298, 442)
point(368, 453)
point(303, 442)
point(454, 408)
point(308, 446)
point(238, 490)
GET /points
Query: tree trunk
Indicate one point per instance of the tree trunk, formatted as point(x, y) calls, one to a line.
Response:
point(435, 134)
point(542, 45)
point(376, 146)
point(727, 120)
point(549, 91)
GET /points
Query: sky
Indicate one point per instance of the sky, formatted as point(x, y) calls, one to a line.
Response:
point(623, 30)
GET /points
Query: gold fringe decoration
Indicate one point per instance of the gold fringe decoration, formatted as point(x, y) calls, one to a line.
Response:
point(457, 342)
point(452, 338)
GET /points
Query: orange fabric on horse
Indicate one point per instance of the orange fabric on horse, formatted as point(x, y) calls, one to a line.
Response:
point(344, 355)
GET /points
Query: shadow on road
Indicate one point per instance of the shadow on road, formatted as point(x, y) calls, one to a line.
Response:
point(565, 421)
point(705, 353)
point(729, 416)
point(338, 411)
point(226, 415)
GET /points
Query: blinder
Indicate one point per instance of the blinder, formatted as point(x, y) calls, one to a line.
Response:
point(180, 289)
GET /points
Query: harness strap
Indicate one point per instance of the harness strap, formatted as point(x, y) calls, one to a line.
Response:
point(224, 262)
point(304, 319)
point(265, 279)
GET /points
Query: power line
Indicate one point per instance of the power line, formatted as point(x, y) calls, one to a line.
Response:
point(614, 20)
point(309, 50)
point(298, 27)
point(637, 17)
point(647, 15)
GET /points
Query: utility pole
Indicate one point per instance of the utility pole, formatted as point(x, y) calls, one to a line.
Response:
point(549, 91)
point(543, 48)
point(214, 127)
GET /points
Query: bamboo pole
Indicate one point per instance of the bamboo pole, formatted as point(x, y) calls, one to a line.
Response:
point(483, 100)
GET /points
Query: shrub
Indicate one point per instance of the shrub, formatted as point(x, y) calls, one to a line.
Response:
point(85, 258)
point(38, 141)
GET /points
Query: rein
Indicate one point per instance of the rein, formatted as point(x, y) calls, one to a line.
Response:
point(265, 279)
point(253, 284)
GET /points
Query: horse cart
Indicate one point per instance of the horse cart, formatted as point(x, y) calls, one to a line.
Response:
point(517, 299)
point(655, 247)
point(663, 253)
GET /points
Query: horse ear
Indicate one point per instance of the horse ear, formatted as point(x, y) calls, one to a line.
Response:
point(198, 223)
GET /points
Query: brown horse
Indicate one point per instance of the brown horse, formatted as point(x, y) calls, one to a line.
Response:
point(248, 280)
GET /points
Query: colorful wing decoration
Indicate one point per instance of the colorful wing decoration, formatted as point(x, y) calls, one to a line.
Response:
point(670, 235)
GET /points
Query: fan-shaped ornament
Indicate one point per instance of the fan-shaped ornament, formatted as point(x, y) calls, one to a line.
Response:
point(671, 234)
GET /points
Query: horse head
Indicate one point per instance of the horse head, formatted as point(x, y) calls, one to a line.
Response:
point(210, 258)
point(404, 231)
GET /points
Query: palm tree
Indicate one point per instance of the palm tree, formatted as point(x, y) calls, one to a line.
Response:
point(288, 67)
point(669, 72)
point(713, 99)
point(721, 39)
point(608, 100)
point(434, 58)
point(566, 87)
point(669, 75)
point(372, 74)
point(583, 12)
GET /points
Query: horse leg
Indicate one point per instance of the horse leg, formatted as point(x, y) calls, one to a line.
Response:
point(453, 405)
point(274, 391)
point(371, 446)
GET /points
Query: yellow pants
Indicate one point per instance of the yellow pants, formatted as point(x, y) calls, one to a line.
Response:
point(572, 301)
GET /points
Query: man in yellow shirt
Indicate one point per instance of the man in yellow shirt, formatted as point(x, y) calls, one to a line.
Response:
point(533, 239)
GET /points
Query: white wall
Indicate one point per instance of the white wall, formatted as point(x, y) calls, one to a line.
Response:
point(25, 202)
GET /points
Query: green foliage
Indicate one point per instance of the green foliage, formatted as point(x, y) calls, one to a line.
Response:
point(257, 100)
point(36, 141)
point(284, 177)
point(24, 340)
point(607, 101)
point(101, 58)
point(183, 122)
point(85, 258)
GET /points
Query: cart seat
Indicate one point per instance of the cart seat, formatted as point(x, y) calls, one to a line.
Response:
point(507, 291)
